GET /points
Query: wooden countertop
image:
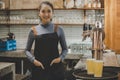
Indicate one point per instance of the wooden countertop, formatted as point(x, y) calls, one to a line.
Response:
point(14, 54)
point(6, 68)
point(73, 56)
point(21, 54)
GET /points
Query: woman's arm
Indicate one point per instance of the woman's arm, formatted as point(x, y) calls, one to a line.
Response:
point(63, 44)
point(29, 46)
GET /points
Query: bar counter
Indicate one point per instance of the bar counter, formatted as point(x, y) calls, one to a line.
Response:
point(21, 54)
point(7, 70)
point(22, 63)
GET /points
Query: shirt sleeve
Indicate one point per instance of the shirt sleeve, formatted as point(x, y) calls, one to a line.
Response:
point(63, 44)
point(29, 46)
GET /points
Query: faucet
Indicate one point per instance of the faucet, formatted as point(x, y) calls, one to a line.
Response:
point(86, 31)
point(97, 36)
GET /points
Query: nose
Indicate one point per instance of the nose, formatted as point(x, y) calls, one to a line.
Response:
point(46, 14)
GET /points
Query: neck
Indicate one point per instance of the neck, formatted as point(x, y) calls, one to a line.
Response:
point(45, 24)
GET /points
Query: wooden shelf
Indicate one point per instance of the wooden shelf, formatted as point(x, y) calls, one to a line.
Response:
point(38, 23)
point(79, 24)
point(80, 9)
point(4, 9)
point(55, 9)
point(19, 24)
point(68, 24)
point(17, 9)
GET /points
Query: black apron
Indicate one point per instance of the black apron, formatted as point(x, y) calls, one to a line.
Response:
point(46, 49)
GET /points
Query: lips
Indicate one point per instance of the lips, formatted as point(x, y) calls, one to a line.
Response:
point(46, 17)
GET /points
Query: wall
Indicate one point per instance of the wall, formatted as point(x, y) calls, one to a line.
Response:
point(73, 31)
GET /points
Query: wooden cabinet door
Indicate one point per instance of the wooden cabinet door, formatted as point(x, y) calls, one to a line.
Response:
point(6, 3)
point(112, 24)
point(24, 4)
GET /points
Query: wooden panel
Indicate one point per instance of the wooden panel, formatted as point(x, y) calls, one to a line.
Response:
point(24, 4)
point(31, 4)
point(15, 4)
point(118, 1)
point(58, 3)
point(118, 11)
point(112, 24)
point(117, 34)
point(117, 27)
point(117, 42)
point(107, 24)
point(6, 3)
point(102, 3)
point(112, 21)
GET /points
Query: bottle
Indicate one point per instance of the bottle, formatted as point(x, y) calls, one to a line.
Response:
point(85, 4)
point(69, 50)
point(84, 27)
point(90, 28)
point(94, 4)
point(2, 5)
point(64, 4)
point(75, 6)
point(89, 4)
point(98, 4)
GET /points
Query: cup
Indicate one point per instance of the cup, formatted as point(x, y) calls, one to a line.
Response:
point(98, 68)
point(90, 66)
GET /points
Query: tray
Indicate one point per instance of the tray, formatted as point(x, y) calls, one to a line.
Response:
point(107, 75)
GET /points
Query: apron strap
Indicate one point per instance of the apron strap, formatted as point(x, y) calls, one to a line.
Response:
point(34, 30)
point(55, 28)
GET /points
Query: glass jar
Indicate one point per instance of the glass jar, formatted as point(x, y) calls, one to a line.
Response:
point(89, 4)
point(2, 5)
point(94, 4)
point(98, 4)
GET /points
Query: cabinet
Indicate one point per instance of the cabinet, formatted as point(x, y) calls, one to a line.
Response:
point(112, 24)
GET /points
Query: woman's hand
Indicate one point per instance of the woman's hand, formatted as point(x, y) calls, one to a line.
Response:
point(38, 63)
point(56, 60)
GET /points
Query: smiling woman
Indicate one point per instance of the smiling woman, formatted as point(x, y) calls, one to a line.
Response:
point(45, 12)
point(47, 61)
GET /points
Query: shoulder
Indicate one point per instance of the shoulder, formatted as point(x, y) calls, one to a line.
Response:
point(60, 28)
point(34, 29)
point(60, 31)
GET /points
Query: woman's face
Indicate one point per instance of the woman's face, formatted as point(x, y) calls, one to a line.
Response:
point(45, 13)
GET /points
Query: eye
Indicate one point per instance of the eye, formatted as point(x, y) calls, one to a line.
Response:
point(49, 11)
point(43, 11)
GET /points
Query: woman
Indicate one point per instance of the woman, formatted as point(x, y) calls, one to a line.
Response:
point(47, 62)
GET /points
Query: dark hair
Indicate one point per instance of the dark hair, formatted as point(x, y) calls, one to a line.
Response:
point(47, 3)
